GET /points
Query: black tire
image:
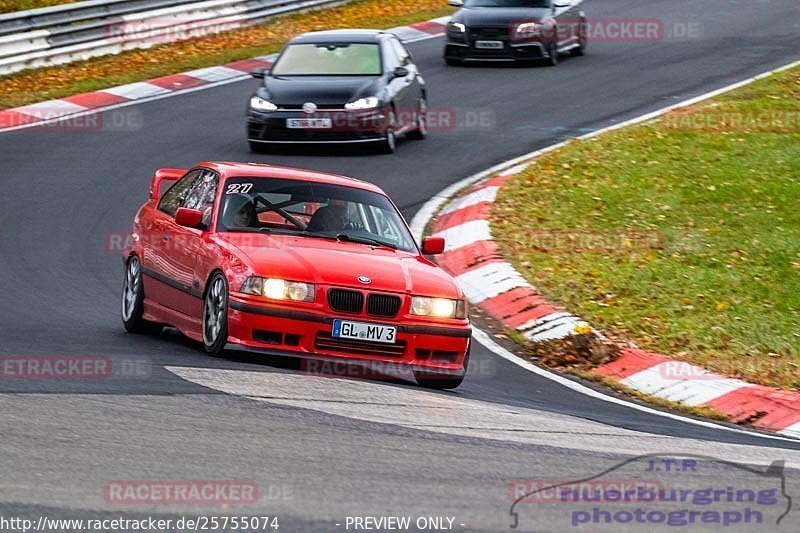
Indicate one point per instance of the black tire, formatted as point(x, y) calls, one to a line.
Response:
point(133, 300)
point(421, 130)
point(388, 145)
point(580, 50)
point(259, 148)
point(453, 62)
point(440, 382)
point(215, 315)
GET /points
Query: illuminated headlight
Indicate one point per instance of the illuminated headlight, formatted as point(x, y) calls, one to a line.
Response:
point(363, 103)
point(438, 307)
point(279, 289)
point(529, 29)
point(259, 104)
point(457, 27)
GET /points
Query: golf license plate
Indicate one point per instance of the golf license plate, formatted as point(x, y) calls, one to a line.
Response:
point(344, 329)
point(489, 45)
point(309, 123)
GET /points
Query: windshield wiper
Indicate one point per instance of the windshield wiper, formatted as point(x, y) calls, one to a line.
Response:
point(365, 240)
point(242, 230)
point(346, 237)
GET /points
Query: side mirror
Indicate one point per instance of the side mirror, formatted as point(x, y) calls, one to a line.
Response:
point(433, 245)
point(456, 3)
point(258, 73)
point(561, 3)
point(162, 175)
point(400, 72)
point(191, 218)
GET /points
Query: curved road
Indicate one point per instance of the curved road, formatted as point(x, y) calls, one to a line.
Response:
point(323, 449)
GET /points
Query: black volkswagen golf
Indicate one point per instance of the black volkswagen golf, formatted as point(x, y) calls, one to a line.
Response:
point(342, 86)
point(515, 30)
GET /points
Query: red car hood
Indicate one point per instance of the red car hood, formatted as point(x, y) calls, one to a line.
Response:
point(339, 263)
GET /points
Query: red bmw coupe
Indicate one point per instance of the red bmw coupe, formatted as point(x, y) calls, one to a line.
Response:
point(293, 262)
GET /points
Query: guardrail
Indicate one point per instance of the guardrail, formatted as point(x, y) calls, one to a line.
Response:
point(79, 31)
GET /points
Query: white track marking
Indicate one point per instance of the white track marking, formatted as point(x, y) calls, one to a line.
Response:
point(554, 326)
point(792, 431)
point(138, 90)
point(485, 194)
point(661, 382)
point(52, 108)
point(465, 234)
point(214, 73)
point(447, 413)
point(489, 281)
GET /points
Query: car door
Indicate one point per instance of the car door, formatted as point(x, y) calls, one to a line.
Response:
point(417, 81)
point(157, 264)
point(401, 88)
point(567, 15)
point(191, 252)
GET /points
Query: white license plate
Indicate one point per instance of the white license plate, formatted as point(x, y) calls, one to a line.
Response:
point(309, 123)
point(489, 45)
point(344, 329)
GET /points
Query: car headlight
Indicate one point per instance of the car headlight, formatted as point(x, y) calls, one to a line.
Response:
point(259, 104)
point(528, 29)
point(363, 103)
point(279, 289)
point(438, 307)
point(457, 27)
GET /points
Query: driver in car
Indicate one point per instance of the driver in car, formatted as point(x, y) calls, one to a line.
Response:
point(329, 218)
point(239, 212)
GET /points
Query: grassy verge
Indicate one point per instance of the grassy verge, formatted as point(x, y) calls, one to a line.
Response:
point(682, 235)
point(57, 82)
point(9, 6)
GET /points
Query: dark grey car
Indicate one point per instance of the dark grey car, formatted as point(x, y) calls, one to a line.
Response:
point(515, 30)
point(342, 86)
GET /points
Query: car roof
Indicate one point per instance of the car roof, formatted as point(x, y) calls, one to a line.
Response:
point(337, 36)
point(228, 170)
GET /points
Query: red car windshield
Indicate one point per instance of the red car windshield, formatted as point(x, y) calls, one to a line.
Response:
point(304, 208)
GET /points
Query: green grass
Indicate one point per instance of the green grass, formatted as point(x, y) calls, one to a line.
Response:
point(724, 289)
point(9, 6)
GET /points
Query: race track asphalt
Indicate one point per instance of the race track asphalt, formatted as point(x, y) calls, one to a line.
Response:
point(323, 449)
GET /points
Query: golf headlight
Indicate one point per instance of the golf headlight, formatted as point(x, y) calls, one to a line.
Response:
point(457, 27)
point(438, 307)
point(259, 104)
point(279, 289)
point(528, 29)
point(363, 103)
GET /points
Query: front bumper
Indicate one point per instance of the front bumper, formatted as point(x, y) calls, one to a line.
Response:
point(346, 126)
point(464, 49)
point(284, 330)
